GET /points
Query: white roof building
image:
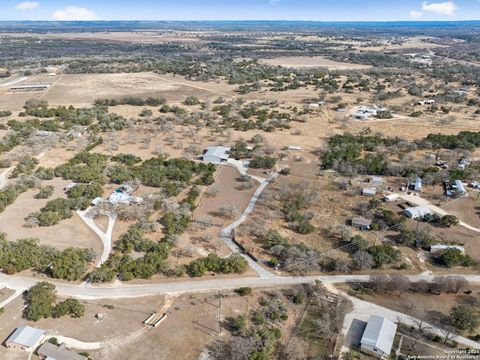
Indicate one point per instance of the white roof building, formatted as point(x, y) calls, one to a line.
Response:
point(216, 154)
point(377, 339)
point(369, 192)
point(442, 247)
point(391, 197)
point(24, 338)
point(417, 211)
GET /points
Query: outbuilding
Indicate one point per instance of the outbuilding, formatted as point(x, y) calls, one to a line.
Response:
point(216, 154)
point(24, 338)
point(51, 351)
point(377, 339)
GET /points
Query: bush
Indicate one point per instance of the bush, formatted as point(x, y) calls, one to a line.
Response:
point(45, 192)
point(262, 162)
point(243, 291)
point(71, 307)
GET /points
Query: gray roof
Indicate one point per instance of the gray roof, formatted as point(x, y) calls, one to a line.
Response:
point(218, 151)
point(460, 187)
point(26, 336)
point(379, 333)
point(58, 352)
point(361, 221)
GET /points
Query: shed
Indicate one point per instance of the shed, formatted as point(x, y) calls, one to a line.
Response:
point(369, 192)
point(294, 147)
point(51, 351)
point(377, 339)
point(391, 197)
point(417, 212)
point(361, 223)
point(216, 154)
point(24, 338)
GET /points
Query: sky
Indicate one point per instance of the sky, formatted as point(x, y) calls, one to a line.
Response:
point(321, 10)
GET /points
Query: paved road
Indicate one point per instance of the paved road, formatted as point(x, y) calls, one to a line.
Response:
point(176, 287)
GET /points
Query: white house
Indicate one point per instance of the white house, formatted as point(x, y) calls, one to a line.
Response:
point(216, 154)
point(24, 338)
point(417, 212)
point(369, 192)
point(377, 339)
point(391, 197)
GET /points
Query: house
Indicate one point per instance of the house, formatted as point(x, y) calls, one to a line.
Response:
point(369, 192)
point(361, 223)
point(24, 338)
point(96, 201)
point(436, 248)
point(377, 339)
point(216, 154)
point(123, 198)
point(51, 351)
point(417, 212)
point(376, 181)
point(391, 197)
point(4, 73)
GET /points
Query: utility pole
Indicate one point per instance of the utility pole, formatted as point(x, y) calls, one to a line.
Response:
point(219, 313)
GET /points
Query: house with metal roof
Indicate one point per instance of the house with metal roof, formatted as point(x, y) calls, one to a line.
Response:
point(391, 197)
point(377, 339)
point(361, 223)
point(216, 154)
point(438, 248)
point(369, 192)
point(417, 212)
point(51, 351)
point(24, 338)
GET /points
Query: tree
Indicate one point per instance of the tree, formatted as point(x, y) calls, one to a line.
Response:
point(40, 299)
point(362, 260)
point(449, 220)
point(464, 318)
point(71, 307)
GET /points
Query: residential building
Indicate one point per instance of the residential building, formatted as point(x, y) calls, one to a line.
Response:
point(417, 212)
point(24, 338)
point(377, 339)
point(361, 223)
point(216, 154)
point(391, 197)
point(51, 351)
point(369, 192)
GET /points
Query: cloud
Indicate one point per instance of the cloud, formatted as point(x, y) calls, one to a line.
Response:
point(416, 14)
point(444, 8)
point(27, 5)
point(75, 13)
